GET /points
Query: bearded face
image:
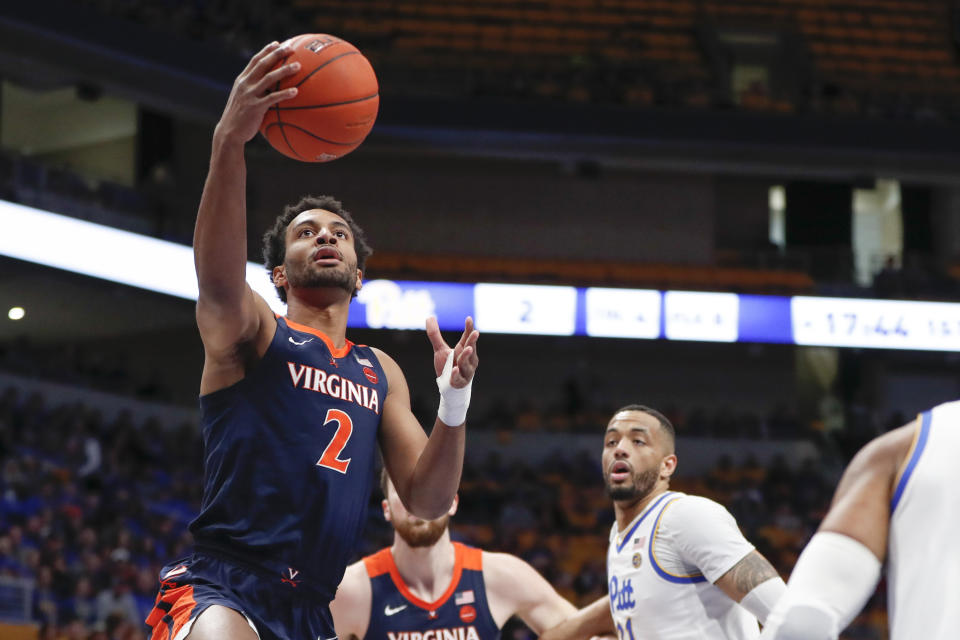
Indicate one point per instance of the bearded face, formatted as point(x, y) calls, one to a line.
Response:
point(420, 533)
point(303, 276)
point(642, 485)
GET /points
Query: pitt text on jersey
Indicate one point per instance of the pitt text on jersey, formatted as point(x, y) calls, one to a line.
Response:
point(455, 633)
point(621, 596)
point(312, 379)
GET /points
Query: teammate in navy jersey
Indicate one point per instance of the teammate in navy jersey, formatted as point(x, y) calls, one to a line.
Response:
point(426, 587)
point(292, 412)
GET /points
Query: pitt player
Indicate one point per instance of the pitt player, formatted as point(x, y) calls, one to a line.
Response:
point(678, 566)
point(292, 412)
point(426, 587)
point(897, 501)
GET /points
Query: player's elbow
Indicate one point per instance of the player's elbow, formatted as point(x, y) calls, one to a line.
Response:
point(430, 505)
point(428, 510)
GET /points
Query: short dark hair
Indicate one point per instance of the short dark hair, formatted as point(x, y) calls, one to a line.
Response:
point(665, 425)
point(275, 239)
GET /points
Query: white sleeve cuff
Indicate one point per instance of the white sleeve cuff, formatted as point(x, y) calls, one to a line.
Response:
point(762, 598)
point(834, 576)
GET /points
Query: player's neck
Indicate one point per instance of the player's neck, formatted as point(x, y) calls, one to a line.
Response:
point(427, 571)
point(317, 313)
point(626, 511)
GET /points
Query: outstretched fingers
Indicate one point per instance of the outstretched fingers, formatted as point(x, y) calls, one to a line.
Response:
point(433, 333)
point(258, 68)
point(467, 332)
point(260, 55)
point(465, 357)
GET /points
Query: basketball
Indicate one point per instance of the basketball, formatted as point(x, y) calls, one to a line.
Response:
point(336, 104)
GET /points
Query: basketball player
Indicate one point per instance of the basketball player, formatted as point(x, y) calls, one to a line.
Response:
point(897, 501)
point(678, 566)
point(437, 589)
point(292, 411)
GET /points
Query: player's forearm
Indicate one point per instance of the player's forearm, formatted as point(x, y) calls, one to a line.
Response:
point(592, 620)
point(437, 474)
point(220, 235)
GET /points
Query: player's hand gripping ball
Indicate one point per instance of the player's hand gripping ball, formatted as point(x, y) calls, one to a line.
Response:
point(335, 106)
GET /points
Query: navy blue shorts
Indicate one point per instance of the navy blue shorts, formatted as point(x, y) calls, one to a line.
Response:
point(276, 609)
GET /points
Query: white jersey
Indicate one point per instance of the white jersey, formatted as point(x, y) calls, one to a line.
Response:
point(662, 567)
point(923, 589)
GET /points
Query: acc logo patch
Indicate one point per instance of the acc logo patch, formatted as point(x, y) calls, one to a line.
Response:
point(371, 375)
point(637, 560)
point(468, 614)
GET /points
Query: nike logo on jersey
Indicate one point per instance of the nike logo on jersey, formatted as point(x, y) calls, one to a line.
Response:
point(299, 343)
point(361, 361)
point(389, 611)
point(176, 571)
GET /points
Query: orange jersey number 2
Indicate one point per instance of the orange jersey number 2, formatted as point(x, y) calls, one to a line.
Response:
point(331, 455)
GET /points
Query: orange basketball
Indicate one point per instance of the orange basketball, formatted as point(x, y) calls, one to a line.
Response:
point(336, 104)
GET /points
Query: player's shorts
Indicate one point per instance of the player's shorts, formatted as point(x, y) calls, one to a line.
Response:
point(275, 610)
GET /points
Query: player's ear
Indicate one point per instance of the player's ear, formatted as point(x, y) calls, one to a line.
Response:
point(279, 275)
point(386, 510)
point(359, 280)
point(668, 465)
point(453, 507)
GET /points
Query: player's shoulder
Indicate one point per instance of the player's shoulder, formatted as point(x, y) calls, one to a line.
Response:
point(886, 452)
point(353, 593)
point(508, 578)
point(498, 560)
point(501, 566)
point(691, 509)
point(387, 363)
point(382, 355)
point(358, 571)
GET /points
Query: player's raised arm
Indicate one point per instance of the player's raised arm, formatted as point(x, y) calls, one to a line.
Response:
point(593, 620)
point(515, 588)
point(426, 471)
point(226, 311)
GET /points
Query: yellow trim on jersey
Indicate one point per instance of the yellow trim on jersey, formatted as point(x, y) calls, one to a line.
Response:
point(918, 424)
point(653, 553)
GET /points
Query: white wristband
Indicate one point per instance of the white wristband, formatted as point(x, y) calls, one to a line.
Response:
point(453, 402)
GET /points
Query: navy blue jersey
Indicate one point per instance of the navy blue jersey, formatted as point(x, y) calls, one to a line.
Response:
point(289, 456)
point(461, 613)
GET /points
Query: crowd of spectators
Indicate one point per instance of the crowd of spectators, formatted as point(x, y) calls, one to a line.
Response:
point(81, 366)
point(828, 59)
point(91, 508)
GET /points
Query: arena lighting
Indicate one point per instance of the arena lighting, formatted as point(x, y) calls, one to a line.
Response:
point(166, 267)
point(103, 252)
point(16, 313)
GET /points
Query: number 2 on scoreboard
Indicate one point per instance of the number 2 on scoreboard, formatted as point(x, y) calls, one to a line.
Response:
point(331, 455)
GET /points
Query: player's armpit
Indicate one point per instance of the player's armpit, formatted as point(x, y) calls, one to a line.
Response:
point(593, 620)
point(233, 339)
point(515, 588)
point(752, 571)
